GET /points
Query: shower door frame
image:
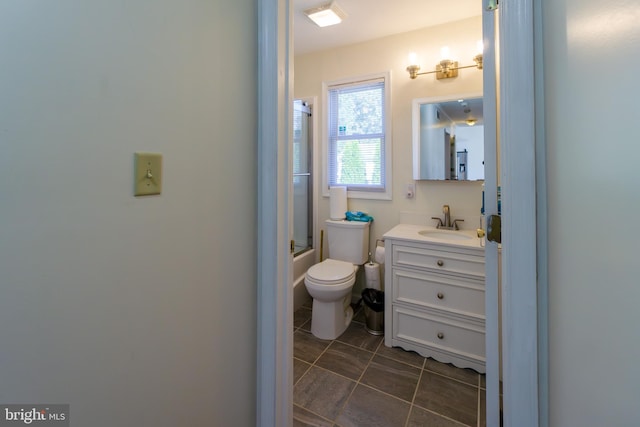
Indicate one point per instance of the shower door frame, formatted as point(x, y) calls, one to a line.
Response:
point(311, 205)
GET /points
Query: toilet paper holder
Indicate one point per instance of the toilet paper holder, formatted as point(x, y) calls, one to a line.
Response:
point(378, 241)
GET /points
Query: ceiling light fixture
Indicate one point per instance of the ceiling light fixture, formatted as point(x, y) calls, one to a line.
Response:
point(446, 68)
point(329, 14)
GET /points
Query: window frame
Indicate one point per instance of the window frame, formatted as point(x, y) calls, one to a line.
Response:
point(360, 193)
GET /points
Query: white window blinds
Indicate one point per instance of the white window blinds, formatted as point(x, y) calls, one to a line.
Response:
point(356, 150)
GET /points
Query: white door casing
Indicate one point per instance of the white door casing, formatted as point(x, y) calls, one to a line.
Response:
point(275, 273)
point(519, 238)
point(492, 314)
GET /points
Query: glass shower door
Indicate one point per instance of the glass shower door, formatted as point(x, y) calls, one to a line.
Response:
point(302, 180)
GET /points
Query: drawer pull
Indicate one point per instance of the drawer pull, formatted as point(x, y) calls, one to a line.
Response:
point(440, 335)
point(440, 263)
point(440, 295)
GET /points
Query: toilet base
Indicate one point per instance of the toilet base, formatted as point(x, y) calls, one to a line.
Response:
point(330, 319)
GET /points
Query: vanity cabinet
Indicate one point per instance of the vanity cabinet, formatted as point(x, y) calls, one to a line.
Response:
point(435, 300)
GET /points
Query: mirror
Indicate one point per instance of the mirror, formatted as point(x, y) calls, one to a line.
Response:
point(448, 138)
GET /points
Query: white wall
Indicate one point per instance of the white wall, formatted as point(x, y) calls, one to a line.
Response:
point(135, 311)
point(435, 151)
point(593, 151)
point(391, 53)
point(471, 138)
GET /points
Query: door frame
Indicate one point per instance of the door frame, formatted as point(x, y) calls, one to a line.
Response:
point(523, 311)
point(492, 261)
point(274, 364)
point(522, 172)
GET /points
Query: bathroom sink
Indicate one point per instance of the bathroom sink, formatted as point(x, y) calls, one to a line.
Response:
point(444, 234)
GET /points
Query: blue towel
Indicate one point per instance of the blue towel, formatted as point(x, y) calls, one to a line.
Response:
point(358, 216)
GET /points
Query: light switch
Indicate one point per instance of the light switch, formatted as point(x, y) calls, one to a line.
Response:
point(147, 174)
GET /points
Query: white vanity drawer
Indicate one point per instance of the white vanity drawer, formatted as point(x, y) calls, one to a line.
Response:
point(439, 333)
point(438, 260)
point(431, 290)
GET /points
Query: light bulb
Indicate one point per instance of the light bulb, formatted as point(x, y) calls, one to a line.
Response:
point(413, 58)
point(479, 47)
point(444, 52)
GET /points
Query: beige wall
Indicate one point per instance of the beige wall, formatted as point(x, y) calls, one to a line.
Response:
point(593, 202)
point(135, 311)
point(391, 54)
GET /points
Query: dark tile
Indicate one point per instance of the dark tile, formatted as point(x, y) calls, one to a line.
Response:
point(448, 397)
point(307, 347)
point(345, 360)
point(304, 418)
point(357, 336)
point(306, 326)
point(358, 314)
point(468, 376)
point(421, 418)
point(483, 408)
point(299, 368)
point(301, 316)
point(322, 392)
point(371, 408)
point(396, 353)
point(393, 377)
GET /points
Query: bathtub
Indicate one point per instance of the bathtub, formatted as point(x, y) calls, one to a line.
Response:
point(301, 264)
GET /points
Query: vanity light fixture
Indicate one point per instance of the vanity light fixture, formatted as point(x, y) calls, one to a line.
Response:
point(326, 15)
point(447, 68)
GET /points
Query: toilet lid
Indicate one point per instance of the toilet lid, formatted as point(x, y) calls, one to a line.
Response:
point(331, 271)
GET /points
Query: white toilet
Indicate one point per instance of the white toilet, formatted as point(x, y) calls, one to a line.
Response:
point(330, 282)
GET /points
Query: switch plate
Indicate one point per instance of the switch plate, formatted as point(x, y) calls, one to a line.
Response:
point(147, 174)
point(409, 190)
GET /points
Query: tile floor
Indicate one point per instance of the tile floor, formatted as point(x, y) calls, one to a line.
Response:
point(355, 381)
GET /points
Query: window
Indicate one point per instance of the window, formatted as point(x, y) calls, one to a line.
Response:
point(358, 142)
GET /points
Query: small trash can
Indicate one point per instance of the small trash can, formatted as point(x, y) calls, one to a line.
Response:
point(373, 311)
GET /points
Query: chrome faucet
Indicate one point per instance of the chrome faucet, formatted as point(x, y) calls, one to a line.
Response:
point(447, 223)
point(447, 216)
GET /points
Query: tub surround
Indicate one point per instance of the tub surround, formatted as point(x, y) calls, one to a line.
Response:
point(301, 263)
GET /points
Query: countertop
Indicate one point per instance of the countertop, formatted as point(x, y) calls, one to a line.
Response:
point(410, 233)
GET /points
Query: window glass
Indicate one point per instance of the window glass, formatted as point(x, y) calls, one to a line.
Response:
point(357, 135)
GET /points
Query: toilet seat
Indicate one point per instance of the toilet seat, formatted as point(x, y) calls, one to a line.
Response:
point(331, 272)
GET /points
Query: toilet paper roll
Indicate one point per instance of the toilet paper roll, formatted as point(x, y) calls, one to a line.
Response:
point(379, 257)
point(337, 202)
point(372, 276)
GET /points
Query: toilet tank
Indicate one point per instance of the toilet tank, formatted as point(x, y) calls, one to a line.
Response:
point(348, 240)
